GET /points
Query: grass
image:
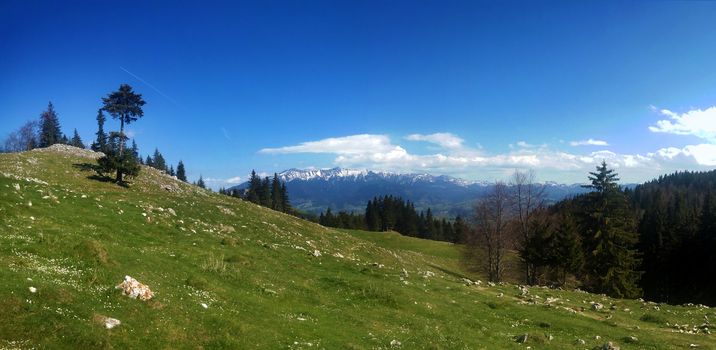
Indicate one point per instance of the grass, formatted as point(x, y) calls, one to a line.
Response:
point(74, 238)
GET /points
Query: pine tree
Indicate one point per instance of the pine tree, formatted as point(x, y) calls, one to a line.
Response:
point(372, 216)
point(253, 193)
point(158, 161)
point(285, 203)
point(149, 162)
point(171, 171)
point(200, 182)
point(64, 140)
point(566, 249)
point(276, 200)
point(181, 172)
point(705, 257)
point(135, 149)
point(100, 144)
point(50, 132)
point(610, 238)
point(603, 179)
point(76, 140)
point(265, 193)
point(126, 106)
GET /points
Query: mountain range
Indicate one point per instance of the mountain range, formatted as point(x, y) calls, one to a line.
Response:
point(315, 190)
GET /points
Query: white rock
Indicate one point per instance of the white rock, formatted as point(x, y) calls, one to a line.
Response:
point(395, 343)
point(110, 323)
point(134, 289)
point(316, 253)
point(33, 290)
point(16, 186)
point(204, 305)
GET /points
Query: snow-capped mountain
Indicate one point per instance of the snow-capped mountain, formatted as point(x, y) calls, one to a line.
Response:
point(314, 190)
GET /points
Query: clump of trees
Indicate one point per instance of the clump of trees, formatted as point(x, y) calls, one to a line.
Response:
point(592, 237)
point(126, 106)
point(44, 132)
point(270, 193)
point(388, 213)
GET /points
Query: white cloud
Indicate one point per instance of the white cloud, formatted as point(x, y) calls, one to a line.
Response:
point(379, 153)
point(346, 145)
point(234, 180)
point(590, 142)
point(443, 139)
point(697, 122)
point(703, 154)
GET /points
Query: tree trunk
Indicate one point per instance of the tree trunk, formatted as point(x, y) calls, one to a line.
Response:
point(121, 146)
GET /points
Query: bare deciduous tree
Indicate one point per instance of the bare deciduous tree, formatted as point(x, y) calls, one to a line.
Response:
point(491, 234)
point(528, 198)
point(23, 139)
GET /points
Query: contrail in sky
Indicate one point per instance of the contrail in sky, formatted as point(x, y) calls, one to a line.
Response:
point(150, 85)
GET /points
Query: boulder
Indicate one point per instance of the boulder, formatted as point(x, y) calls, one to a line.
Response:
point(110, 323)
point(133, 289)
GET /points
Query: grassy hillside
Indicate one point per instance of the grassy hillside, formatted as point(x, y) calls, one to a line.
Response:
point(268, 280)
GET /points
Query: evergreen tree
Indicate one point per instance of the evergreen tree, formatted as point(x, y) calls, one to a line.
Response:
point(171, 171)
point(566, 246)
point(603, 179)
point(201, 183)
point(126, 106)
point(372, 216)
point(76, 140)
point(536, 251)
point(460, 228)
point(135, 149)
point(253, 193)
point(181, 172)
point(705, 257)
point(265, 193)
point(158, 161)
point(276, 200)
point(50, 132)
point(285, 203)
point(610, 238)
point(100, 144)
point(112, 162)
point(64, 140)
point(149, 162)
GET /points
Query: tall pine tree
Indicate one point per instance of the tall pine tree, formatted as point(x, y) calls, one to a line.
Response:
point(50, 132)
point(100, 143)
point(76, 140)
point(125, 105)
point(201, 183)
point(610, 238)
point(181, 172)
point(276, 200)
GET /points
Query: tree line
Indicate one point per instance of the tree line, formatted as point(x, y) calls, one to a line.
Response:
point(388, 213)
point(677, 236)
point(43, 132)
point(655, 241)
point(270, 193)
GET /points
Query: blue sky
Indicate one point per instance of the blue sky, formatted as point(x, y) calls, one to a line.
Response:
point(471, 89)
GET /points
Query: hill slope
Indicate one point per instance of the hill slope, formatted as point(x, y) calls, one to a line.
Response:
point(267, 280)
